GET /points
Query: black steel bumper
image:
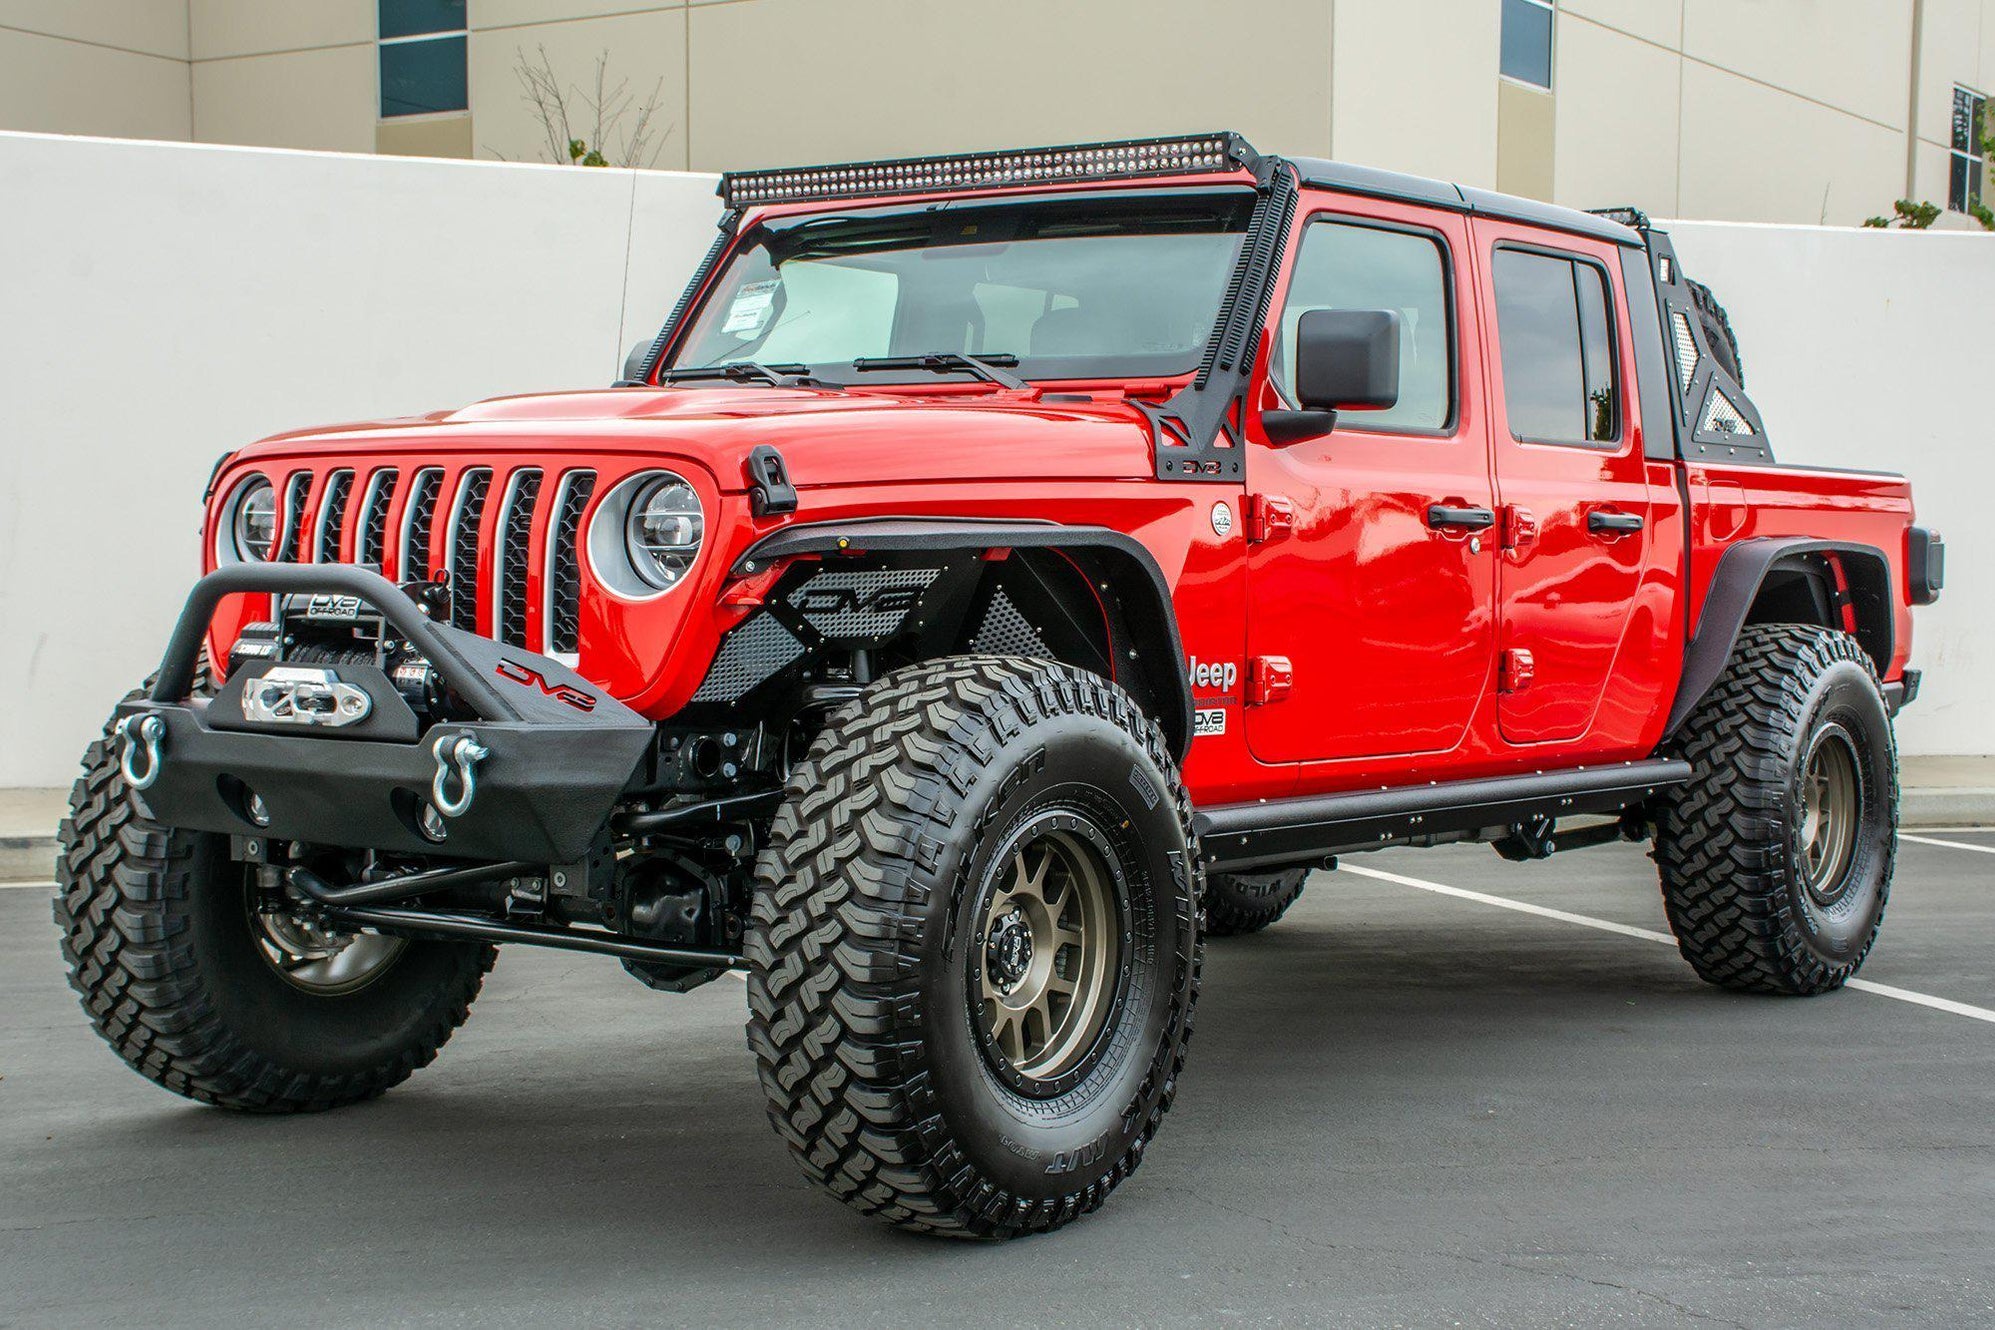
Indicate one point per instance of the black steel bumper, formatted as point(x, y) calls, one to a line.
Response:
point(557, 750)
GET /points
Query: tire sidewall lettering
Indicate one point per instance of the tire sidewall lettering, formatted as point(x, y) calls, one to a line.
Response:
point(1043, 1146)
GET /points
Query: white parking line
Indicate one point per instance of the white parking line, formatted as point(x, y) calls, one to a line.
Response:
point(1649, 935)
point(24, 886)
point(1946, 844)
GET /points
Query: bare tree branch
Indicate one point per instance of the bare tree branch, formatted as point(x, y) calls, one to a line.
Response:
point(617, 123)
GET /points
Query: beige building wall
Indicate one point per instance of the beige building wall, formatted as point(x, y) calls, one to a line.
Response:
point(117, 68)
point(1760, 110)
point(284, 73)
point(1434, 114)
point(771, 82)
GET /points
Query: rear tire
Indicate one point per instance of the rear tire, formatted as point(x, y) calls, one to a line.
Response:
point(182, 978)
point(1776, 858)
point(899, 947)
point(1237, 903)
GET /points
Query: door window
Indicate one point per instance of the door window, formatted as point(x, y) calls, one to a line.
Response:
point(1346, 265)
point(1554, 327)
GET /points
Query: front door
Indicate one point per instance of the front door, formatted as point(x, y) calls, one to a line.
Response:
point(1373, 581)
point(1570, 476)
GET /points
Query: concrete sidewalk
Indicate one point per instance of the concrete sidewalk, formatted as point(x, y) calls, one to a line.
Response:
point(1939, 792)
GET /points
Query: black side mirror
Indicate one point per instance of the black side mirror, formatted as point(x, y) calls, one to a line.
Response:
point(1347, 360)
point(633, 364)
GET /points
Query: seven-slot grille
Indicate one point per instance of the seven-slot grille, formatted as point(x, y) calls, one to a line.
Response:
point(444, 524)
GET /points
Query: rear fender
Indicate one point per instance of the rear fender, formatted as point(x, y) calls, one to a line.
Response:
point(1751, 570)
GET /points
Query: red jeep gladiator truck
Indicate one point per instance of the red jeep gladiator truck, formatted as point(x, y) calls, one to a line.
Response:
point(1001, 571)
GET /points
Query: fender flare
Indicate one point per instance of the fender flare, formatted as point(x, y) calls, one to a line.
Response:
point(1146, 600)
point(1742, 571)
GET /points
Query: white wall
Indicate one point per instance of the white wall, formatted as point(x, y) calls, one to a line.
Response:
point(163, 303)
point(1870, 349)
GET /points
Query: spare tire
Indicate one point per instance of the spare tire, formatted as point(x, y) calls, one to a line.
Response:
point(1718, 333)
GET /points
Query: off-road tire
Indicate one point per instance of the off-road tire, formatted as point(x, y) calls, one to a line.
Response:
point(862, 1038)
point(157, 934)
point(1718, 332)
point(1729, 842)
point(1237, 903)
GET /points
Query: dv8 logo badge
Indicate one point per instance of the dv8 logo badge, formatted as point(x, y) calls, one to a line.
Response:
point(1207, 718)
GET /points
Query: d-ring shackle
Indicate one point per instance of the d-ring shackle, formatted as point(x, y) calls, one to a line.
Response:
point(456, 756)
point(138, 734)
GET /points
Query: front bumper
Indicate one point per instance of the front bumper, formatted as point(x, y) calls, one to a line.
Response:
point(557, 751)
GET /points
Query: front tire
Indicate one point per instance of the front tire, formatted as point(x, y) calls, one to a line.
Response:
point(974, 949)
point(202, 994)
point(1776, 858)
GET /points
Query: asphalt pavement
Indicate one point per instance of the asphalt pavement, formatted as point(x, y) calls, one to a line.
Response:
point(1403, 1107)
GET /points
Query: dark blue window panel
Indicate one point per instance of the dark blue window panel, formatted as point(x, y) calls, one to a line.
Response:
point(1527, 42)
point(421, 78)
point(409, 18)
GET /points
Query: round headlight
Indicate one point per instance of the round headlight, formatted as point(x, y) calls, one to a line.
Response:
point(664, 531)
point(254, 525)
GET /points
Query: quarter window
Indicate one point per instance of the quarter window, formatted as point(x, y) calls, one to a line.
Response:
point(422, 58)
point(1554, 327)
point(1966, 161)
point(1527, 41)
point(1345, 265)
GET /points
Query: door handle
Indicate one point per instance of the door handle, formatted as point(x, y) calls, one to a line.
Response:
point(1602, 521)
point(1462, 519)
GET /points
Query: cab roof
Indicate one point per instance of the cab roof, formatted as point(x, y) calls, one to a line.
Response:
point(1218, 153)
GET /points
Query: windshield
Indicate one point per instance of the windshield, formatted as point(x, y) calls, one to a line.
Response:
point(1076, 288)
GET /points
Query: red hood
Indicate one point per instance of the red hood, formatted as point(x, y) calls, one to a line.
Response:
point(826, 437)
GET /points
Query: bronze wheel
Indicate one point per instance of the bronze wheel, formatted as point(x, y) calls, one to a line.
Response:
point(1831, 804)
point(1048, 949)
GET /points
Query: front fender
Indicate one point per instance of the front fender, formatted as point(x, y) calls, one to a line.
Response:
point(1145, 596)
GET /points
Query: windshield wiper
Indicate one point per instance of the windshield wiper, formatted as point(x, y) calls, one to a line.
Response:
point(990, 368)
point(739, 371)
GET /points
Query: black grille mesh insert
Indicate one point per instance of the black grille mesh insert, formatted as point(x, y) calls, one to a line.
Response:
point(374, 520)
point(564, 565)
point(514, 540)
point(466, 518)
point(296, 489)
point(332, 515)
point(417, 523)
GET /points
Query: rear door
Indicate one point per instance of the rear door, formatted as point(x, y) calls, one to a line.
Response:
point(1572, 486)
point(1370, 581)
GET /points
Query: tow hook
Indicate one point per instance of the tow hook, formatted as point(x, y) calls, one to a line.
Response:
point(456, 758)
point(138, 734)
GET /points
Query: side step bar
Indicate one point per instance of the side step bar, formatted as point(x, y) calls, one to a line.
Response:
point(1270, 833)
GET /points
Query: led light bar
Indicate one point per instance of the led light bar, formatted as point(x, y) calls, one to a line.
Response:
point(1132, 159)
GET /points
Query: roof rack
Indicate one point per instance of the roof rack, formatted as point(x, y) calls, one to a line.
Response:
point(1125, 159)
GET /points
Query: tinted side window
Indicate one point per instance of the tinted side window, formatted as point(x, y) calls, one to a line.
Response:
point(1554, 331)
point(1342, 265)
